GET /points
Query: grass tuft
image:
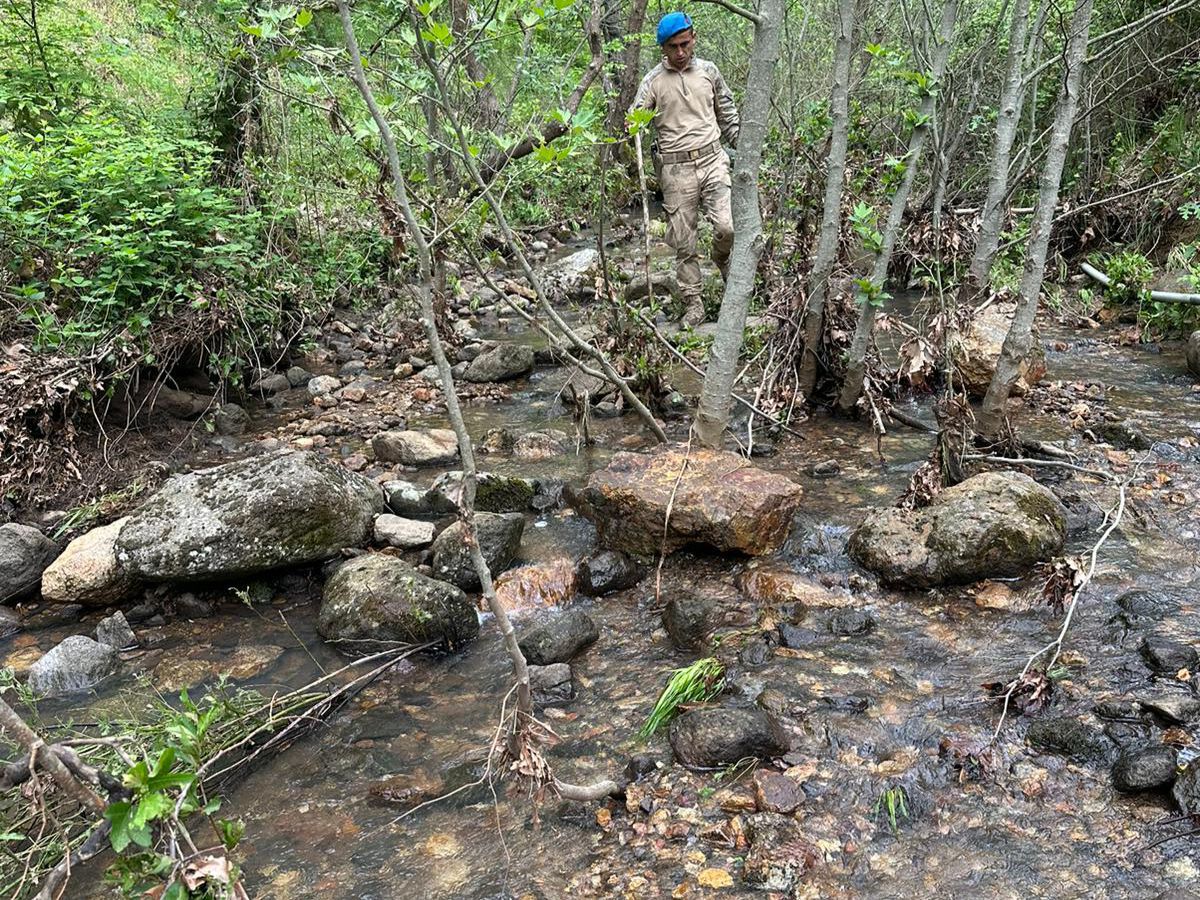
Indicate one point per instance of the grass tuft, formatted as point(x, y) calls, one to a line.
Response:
point(702, 680)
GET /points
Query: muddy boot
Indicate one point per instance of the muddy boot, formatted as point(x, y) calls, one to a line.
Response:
point(693, 314)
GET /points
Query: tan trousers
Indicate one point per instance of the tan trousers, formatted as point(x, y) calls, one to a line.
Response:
point(690, 188)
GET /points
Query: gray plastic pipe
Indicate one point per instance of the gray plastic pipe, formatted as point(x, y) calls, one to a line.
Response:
point(1161, 296)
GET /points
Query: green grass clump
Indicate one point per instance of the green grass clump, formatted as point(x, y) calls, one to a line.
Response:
point(892, 805)
point(702, 680)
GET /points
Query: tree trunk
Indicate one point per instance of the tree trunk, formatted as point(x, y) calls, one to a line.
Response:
point(857, 367)
point(716, 396)
point(831, 214)
point(630, 71)
point(487, 108)
point(1020, 332)
point(1012, 97)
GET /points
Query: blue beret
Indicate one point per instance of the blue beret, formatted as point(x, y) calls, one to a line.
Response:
point(671, 24)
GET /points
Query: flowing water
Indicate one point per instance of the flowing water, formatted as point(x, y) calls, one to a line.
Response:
point(901, 705)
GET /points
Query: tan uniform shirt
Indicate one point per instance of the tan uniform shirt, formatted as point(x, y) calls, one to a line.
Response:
point(692, 108)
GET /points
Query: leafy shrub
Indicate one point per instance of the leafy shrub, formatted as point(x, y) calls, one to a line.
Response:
point(1129, 272)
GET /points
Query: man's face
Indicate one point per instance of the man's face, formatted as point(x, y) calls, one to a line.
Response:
point(680, 49)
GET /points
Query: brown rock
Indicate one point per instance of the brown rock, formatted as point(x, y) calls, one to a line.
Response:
point(720, 500)
point(536, 587)
point(774, 587)
point(776, 792)
point(976, 352)
point(87, 571)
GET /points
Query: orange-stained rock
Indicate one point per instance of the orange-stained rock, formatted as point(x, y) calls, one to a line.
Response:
point(720, 500)
point(773, 587)
point(536, 587)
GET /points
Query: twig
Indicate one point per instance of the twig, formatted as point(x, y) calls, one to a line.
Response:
point(1043, 463)
point(662, 555)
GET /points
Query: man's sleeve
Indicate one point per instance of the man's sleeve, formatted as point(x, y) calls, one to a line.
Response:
point(727, 113)
point(645, 93)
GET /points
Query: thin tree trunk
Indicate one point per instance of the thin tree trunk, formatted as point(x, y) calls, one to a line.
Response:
point(630, 70)
point(857, 367)
point(1012, 98)
point(831, 214)
point(487, 108)
point(716, 396)
point(1020, 332)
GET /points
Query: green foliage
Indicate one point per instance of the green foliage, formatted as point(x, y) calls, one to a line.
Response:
point(865, 224)
point(701, 681)
point(1129, 273)
point(893, 806)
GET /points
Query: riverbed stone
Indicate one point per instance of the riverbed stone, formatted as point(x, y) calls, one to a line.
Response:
point(500, 363)
point(975, 352)
point(248, 516)
point(499, 540)
point(779, 856)
point(434, 447)
point(538, 586)
point(1064, 736)
point(494, 492)
point(536, 446)
point(1124, 435)
point(993, 525)
point(1166, 656)
point(270, 383)
point(608, 571)
point(559, 638)
point(1146, 769)
point(24, 554)
point(720, 500)
point(551, 684)
point(688, 619)
point(776, 792)
point(1146, 604)
point(322, 385)
point(232, 419)
point(115, 632)
point(77, 664)
point(87, 571)
point(298, 376)
point(850, 622)
point(407, 500)
point(407, 534)
point(1177, 709)
point(1192, 354)
point(715, 737)
point(379, 598)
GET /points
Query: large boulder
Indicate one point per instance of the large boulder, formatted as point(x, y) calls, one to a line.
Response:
point(24, 554)
point(77, 664)
point(976, 352)
point(435, 447)
point(1193, 353)
point(713, 737)
point(500, 363)
point(720, 500)
point(499, 539)
point(994, 525)
point(380, 598)
point(493, 492)
point(559, 638)
point(248, 516)
point(87, 571)
point(407, 534)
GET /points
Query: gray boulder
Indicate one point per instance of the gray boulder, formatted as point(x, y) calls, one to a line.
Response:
point(24, 554)
point(87, 571)
point(493, 492)
point(1193, 353)
point(232, 419)
point(435, 447)
point(115, 632)
point(500, 363)
point(559, 638)
point(499, 540)
point(270, 384)
point(248, 516)
point(608, 571)
point(713, 737)
point(298, 376)
point(407, 534)
point(323, 384)
point(407, 500)
point(378, 598)
point(1147, 769)
point(994, 525)
point(77, 664)
point(551, 684)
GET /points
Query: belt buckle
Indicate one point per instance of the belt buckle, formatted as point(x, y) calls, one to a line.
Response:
point(693, 154)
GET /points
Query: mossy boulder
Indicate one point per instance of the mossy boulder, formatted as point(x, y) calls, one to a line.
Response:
point(994, 525)
point(248, 516)
point(378, 598)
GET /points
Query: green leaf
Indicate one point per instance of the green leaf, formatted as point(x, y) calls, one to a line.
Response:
point(303, 18)
point(151, 807)
point(176, 891)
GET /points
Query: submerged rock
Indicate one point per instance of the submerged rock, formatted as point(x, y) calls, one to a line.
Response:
point(499, 540)
point(24, 554)
point(1066, 737)
point(714, 737)
point(994, 525)
point(1148, 769)
point(434, 447)
point(688, 619)
point(77, 664)
point(500, 363)
point(608, 571)
point(559, 638)
point(537, 586)
point(1167, 657)
point(383, 599)
point(248, 516)
point(779, 856)
point(551, 684)
point(87, 571)
point(720, 500)
point(1192, 354)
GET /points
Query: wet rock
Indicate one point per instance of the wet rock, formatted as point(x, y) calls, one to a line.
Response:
point(975, 353)
point(381, 598)
point(87, 571)
point(714, 737)
point(115, 632)
point(142, 612)
point(1123, 435)
point(189, 606)
point(559, 638)
point(775, 587)
point(405, 499)
point(435, 447)
point(270, 384)
point(1145, 605)
point(207, 663)
point(538, 586)
point(500, 363)
point(688, 619)
point(1186, 790)
point(248, 516)
point(499, 540)
point(779, 856)
point(721, 500)
point(352, 369)
point(1126, 734)
point(826, 469)
point(52, 615)
point(583, 389)
point(574, 275)
point(551, 684)
point(298, 376)
point(994, 525)
point(77, 664)
point(232, 419)
point(776, 792)
point(407, 534)
point(1176, 709)
point(1066, 737)
point(848, 622)
point(323, 384)
point(24, 554)
point(674, 405)
point(540, 445)
point(640, 765)
point(608, 571)
point(1192, 354)
point(1167, 657)
point(493, 492)
point(794, 637)
point(1144, 770)
point(10, 621)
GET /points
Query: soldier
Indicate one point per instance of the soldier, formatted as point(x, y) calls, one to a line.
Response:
point(693, 110)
